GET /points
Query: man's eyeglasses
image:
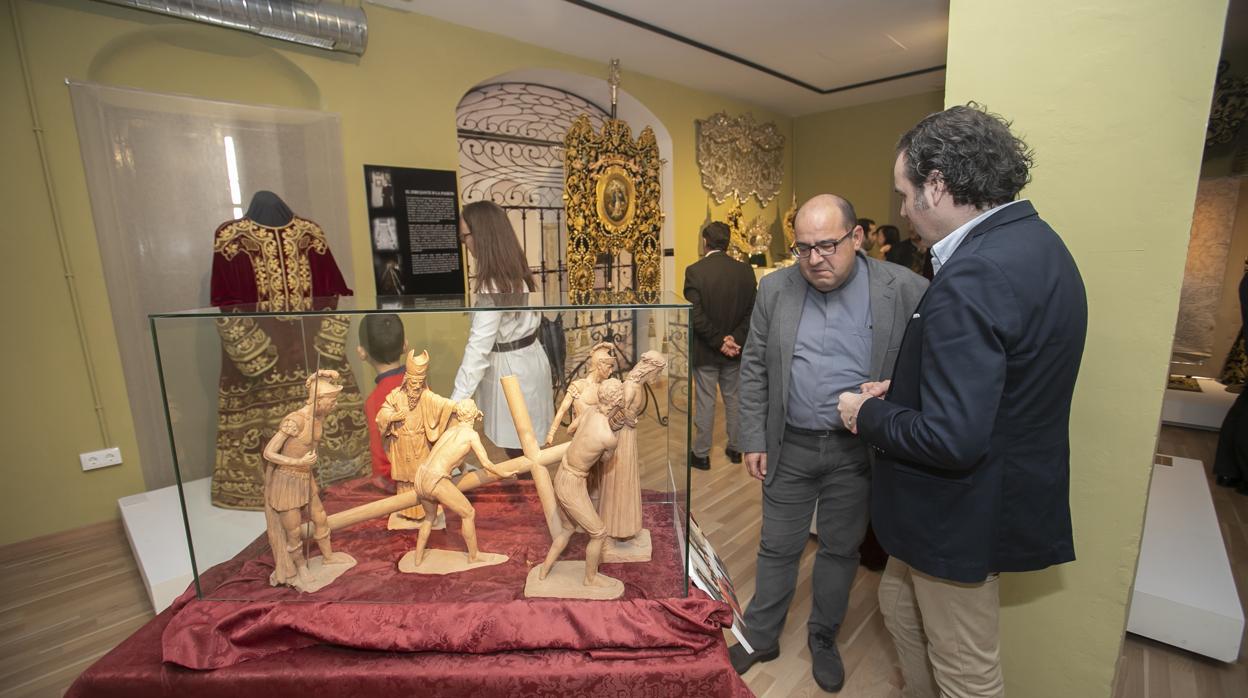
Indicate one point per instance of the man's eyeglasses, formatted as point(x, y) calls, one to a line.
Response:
point(826, 248)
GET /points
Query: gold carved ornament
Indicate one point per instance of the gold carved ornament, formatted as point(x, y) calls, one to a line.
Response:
point(611, 197)
point(745, 240)
point(738, 247)
point(1229, 109)
point(790, 220)
point(741, 158)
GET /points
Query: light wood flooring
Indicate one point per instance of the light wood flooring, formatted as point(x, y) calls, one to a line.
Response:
point(1150, 669)
point(67, 599)
point(726, 502)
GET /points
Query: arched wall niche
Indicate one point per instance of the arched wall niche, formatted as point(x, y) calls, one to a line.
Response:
point(628, 109)
point(206, 62)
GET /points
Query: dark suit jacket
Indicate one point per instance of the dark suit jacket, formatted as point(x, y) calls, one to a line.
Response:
point(768, 358)
point(721, 291)
point(972, 469)
point(906, 254)
point(1243, 303)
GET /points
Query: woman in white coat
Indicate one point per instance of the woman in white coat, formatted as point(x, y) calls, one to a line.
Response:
point(505, 342)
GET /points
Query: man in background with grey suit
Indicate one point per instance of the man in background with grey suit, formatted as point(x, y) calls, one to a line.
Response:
point(831, 322)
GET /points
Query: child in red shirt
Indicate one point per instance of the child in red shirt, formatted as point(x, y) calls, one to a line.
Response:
point(382, 346)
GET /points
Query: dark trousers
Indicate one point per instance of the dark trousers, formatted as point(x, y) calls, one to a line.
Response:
point(1231, 459)
point(830, 471)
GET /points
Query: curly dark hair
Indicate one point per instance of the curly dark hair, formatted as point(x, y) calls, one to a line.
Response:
point(981, 162)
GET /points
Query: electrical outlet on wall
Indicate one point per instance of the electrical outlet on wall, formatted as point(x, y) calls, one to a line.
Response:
point(100, 459)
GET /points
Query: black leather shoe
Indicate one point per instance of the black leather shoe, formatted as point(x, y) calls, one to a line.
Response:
point(1242, 488)
point(742, 660)
point(734, 456)
point(700, 463)
point(1226, 481)
point(825, 663)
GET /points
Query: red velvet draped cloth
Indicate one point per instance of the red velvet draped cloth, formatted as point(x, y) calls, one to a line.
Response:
point(377, 631)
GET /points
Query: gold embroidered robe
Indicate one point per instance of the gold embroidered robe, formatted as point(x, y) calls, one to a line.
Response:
point(266, 359)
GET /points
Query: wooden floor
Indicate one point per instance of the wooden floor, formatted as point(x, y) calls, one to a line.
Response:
point(67, 599)
point(1149, 669)
point(726, 503)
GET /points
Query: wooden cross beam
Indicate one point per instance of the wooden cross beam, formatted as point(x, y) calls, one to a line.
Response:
point(535, 461)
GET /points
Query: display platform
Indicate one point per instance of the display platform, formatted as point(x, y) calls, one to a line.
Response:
point(509, 522)
point(294, 420)
point(1201, 410)
point(1184, 593)
point(153, 523)
point(488, 638)
point(287, 439)
point(699, 668)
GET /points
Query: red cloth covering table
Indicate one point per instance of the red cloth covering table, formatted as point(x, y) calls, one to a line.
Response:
point(378, 632)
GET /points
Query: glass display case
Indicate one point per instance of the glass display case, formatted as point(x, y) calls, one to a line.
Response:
point(269, 417)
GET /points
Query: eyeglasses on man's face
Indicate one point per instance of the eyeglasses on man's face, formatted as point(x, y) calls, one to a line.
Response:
point(825, 248)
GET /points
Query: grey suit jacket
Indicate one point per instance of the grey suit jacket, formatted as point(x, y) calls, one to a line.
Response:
point(895, 293)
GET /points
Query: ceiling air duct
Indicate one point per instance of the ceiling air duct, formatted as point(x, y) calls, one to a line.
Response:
point(312, 23)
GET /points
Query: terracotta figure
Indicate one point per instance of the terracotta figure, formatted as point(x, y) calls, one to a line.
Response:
point(433, 477)
point(583, 392)
point(289, 485)
point(620, 487)
point(411, 420)
point(595, 439)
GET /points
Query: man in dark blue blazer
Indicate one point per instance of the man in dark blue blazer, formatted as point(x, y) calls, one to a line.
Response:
point(972, 468)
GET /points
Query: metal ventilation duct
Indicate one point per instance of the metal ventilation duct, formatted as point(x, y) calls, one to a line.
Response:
point(311, 22)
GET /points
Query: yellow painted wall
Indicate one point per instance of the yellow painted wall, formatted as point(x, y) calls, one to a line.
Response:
point(850, 152)
point(1113, 96)
point(47, 407)
point(397, 104)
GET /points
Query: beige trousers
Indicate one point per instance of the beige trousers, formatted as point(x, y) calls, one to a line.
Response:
point(946, 633)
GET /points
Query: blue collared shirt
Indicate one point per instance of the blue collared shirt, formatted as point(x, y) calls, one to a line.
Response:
point(832, 353)
point(943, 250)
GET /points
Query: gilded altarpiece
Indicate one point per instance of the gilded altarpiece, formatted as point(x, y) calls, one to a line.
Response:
point(611, 196)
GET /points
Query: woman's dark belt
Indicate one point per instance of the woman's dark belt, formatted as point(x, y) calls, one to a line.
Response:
point(518, 344)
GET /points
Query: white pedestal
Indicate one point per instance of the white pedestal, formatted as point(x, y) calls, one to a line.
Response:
point(1203, 410)
point(1184, 593)
point(153, 522)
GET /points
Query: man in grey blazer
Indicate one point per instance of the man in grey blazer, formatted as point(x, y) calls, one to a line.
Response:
point(829, 323)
